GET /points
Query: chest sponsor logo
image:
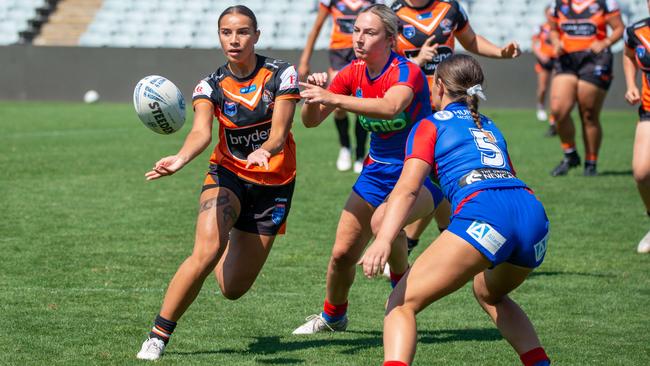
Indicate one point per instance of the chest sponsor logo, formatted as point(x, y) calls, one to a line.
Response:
point(245, 140)
point(424, 16)
point(579, 29)
point(444, 53)
point(408, 31)
point(229, 108)
point(248, 89)
point(384, 125)
point(486, 236)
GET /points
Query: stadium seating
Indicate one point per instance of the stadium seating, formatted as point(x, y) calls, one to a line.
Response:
point(285, 24)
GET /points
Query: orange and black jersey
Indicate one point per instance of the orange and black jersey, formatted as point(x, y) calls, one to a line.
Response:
point(439, 18)
point(542, 40)
point(244, 108)
point(344, 13)
point(637, 38)
point(581, 22)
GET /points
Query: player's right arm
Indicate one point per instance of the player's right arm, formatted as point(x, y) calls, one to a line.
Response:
point(303, 66)
point(196, 141)
point(632, 94)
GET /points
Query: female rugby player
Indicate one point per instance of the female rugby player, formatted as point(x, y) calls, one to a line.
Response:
point(429, 29)
point(583, 73)
point(468, 155)
point(389, 93)
point(545, 55)
point(247, 192)
point(340, 53)
point(637, 56)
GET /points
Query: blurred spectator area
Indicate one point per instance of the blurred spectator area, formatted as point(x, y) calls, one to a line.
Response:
point(284, 24)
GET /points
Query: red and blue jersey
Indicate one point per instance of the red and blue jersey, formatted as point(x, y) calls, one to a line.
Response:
point(388, 137)
point(465, 159)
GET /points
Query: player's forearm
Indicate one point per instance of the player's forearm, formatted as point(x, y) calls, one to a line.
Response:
point(398, 208)
point(311, 115)
point(309, 47)
point(485, 48)
point(369, 107)
point(629, 70)
point(195, 143)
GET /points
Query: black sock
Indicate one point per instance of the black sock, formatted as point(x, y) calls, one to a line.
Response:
point(162, 329)
point(441, 229)
point(590, 163)
point(647, 213)
point(342, 125)
point(361, 134)
point(412, 243)
point(571, 155)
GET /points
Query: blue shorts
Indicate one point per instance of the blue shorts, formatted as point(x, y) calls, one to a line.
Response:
point(505, 225)
point(377, 180)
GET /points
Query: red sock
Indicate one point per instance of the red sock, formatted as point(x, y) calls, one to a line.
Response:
point(569, 147)
point(395, 363)
point(532, 357)
point(591, 157)
point(394, 278)
point(333, 313)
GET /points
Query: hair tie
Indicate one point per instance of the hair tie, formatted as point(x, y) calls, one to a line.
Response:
point(476, 90)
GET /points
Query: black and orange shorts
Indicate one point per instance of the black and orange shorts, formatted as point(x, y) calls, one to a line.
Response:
point(644, 114)
point(594, 68)
point(264, 209)
point(340, 58)
point(544, 66)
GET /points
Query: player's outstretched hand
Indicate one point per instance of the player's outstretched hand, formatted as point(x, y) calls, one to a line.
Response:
point(318, 79)
point(375, 258)
point(166, 166)
point(316, 94)
point(259, 157)
point(633, 96)
point(511, 50)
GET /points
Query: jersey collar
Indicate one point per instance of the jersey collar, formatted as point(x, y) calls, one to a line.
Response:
point(455, 106)
point(390, 61)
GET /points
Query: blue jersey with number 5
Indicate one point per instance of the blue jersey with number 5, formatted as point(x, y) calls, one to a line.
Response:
point(464, 158)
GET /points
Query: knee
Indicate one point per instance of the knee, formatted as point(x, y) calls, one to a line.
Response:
point(642, 175)
point(342, 259)
point(590, 117)
point(233, 292)
point(483, 295)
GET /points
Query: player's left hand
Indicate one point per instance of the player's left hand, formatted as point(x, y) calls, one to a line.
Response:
point(375, 258)
point(598, 46)
point(315, 94)
point(511, 50)
point(259, 157)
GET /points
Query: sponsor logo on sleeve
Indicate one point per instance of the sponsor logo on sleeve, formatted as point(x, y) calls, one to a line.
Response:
point(289, 79)
point(203, 88)
point(486, 236)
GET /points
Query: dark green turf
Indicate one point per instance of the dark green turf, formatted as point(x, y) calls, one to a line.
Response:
point(87, 248)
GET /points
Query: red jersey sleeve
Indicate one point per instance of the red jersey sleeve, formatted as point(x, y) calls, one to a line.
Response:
point(422, 142)
point(411, 75)
point(342, 83)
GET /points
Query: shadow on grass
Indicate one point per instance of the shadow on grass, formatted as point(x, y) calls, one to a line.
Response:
point(567, 273)
point(616, 172)
point(264, 346)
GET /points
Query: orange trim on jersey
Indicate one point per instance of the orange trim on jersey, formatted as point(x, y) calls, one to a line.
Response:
point(582, 42)
point(645, 92)
point(201, 100)
point(614, 13)
point(643, 34)
point(428, 25)
point(231, 88)
point(287, 96)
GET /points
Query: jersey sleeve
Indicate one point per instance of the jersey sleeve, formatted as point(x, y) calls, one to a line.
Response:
point(411, 75)
point(287, 83)
point(629, 37)
point(421, 142)
point(462, 20)
point(342, 82)
point(611, 8)
point(204, 92)
point(553, 9)
point(327, 4)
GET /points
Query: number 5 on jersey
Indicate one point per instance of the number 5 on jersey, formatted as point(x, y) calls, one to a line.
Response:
point(491, 154)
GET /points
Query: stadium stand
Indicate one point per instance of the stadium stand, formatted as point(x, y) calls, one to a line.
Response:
point(191, 23)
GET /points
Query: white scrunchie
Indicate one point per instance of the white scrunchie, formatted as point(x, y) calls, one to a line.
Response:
point(476, 90)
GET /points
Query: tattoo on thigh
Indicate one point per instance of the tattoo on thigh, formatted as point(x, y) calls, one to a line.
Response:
point(214, 202)
point(229, 214)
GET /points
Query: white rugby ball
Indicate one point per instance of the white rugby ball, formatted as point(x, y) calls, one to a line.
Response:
point(160, 104)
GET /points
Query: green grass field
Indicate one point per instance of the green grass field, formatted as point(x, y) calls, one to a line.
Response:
point(87, 247)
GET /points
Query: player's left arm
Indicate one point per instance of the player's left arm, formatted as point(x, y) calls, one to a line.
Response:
point(281, 122)
point(615, 22)
point(394, 102)
point(477, 44)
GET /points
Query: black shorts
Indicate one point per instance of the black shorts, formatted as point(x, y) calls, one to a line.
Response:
point(341, 58)
point(547, 66)
point(588, 66)
point(264, 209)
point(644, 115)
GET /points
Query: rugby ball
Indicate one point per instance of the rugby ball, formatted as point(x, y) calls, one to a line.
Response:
point(159, 104)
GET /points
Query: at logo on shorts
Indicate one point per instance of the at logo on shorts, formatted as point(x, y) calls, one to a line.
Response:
point(540, 249)
point(485, 235)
